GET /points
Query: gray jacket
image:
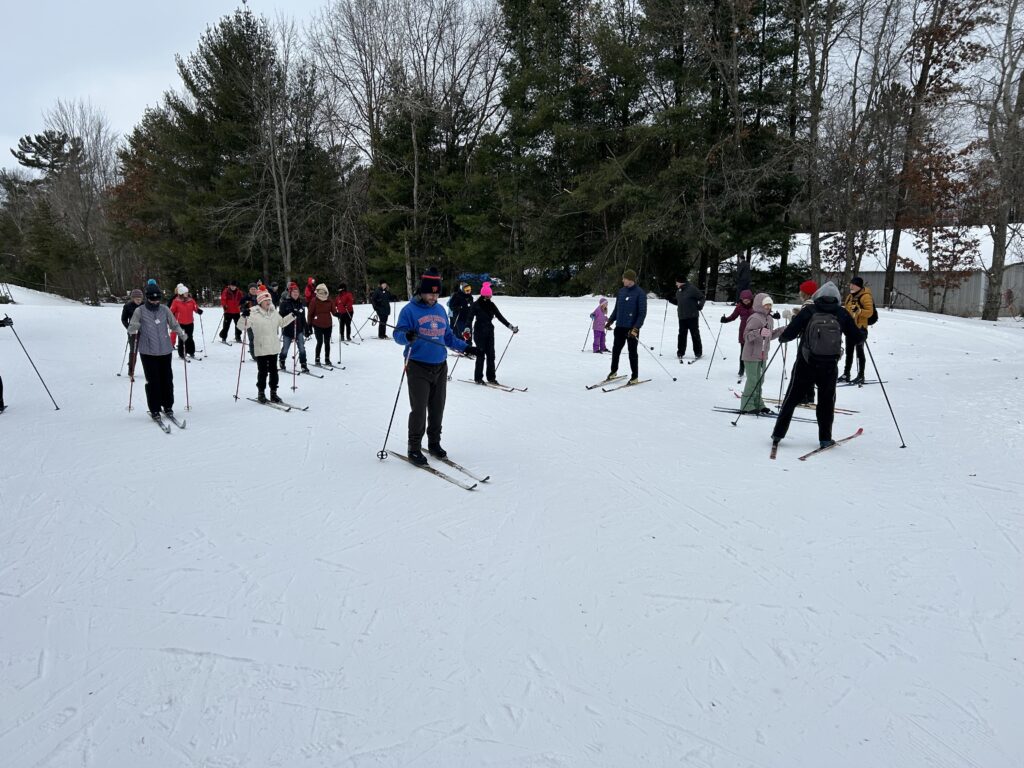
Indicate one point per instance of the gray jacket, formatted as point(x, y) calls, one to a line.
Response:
point(689, 301)
point(153, 323)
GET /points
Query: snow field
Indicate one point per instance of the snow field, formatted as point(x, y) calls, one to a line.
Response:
point(637, 584)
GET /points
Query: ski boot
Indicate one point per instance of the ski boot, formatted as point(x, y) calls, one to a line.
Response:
point(273, 396)
point(859, 379)
point(845, 377)
point(261, 397)
point(633, 380)
point(283, 367)
point(304, 369)
point(437, 451)
point(611, 375)
point(826, 443)
point(416, 456)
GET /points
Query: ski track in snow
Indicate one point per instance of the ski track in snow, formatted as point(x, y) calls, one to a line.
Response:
point(637, 584)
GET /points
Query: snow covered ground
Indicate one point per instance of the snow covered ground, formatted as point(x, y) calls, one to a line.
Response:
point(638, 584)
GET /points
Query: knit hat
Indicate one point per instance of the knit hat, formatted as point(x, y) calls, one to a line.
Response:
point(430, 282)
point(310, 281)
point(629, 274)
point(746, 295)
point(263, 296)
point(181, 290)
point(233, 282)
point(485, 289)
point(153, 290)
point(321, 291)
point(827, 291)
point(135, 294)
point(767, 301)
point(293, 286)
point(342, 288)
point(602, 300)
point(809, 287)
point(858, 281)
point(253, 285)
point(680, 278)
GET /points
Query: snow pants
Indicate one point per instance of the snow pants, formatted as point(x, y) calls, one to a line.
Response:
point(859, 348)
point(230, 317)
point(159, 382)
point(805, 378)
point(484, 342)
point(428, 387)
point(621, 338)
point(599, 341)
point(266, 365)
point(382, 326)
point(345, 326)
point(690, 325)
point(187, 347)
point(323, 340)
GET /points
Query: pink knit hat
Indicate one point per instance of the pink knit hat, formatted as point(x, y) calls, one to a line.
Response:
point(263, 296)
point(485, 289)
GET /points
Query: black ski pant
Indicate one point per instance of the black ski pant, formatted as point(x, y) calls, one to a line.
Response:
point(230, 317)
point(484, 343)
point(159, 382)
point(805, 378)
point(131, 355)
point(859, 348)
point(345, 327)
point(382, 326)
point(323, 340)
point(266, 365)
point(622, 337)
point(187, 347)
point(1, 391)
point(740, 373)
point(428, 386)
point(690, 325)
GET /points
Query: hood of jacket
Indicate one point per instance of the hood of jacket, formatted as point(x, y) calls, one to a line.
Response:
point(758, 305)
point(746, 294)
point(827, 291)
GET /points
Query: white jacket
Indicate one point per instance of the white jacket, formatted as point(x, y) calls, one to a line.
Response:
point(265, 326)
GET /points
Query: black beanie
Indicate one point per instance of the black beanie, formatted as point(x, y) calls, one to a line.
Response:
point(153, 291)
point(430, 282)
point(858, 281)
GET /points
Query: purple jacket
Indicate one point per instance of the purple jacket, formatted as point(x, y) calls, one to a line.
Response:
point(600, 317)
point(755, 346)
point(743, 312)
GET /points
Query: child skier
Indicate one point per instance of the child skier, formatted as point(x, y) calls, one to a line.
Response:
point(600, 317)
point(264, 323)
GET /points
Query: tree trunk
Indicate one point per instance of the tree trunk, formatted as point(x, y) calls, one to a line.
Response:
point(995, 273)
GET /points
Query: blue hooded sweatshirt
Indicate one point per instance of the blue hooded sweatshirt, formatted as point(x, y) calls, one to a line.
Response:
point(431, 323)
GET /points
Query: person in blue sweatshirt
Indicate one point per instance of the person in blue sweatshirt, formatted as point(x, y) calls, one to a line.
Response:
point(628, 318)
point(423, 330)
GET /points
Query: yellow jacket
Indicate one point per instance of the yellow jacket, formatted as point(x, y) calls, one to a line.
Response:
point(861, 306)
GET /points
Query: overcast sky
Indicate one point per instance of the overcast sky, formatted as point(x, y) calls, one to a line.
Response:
point(118, 54)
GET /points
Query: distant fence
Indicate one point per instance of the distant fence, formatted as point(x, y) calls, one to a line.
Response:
point(967, 300)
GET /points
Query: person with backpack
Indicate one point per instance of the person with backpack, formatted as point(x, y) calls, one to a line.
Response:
point(821, 329)
point(861, 306)
point(689, 302)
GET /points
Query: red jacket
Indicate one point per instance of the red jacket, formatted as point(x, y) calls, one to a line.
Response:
point(310, 291)
point(319, 313)
point(231, 301)
point(343, 303)
point(183, 310)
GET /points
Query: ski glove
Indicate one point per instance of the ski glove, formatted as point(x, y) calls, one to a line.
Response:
point(199, 311)
point(608, 325)
point(514, 328)
point(723, 319)
point(245, 311)
point(765, 333)
point(634, 332)
point(5, 322)
point(469, 351)
point(410, 336)
point(776, 315)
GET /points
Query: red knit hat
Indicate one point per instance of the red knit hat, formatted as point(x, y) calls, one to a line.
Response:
point(809, 287)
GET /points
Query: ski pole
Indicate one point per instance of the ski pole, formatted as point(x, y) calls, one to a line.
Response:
point(202, 331)
point(10, 324)
point(371, 317)
point(295, 354)
point(184, 367)
point(664, 318)
point(452, 371)
point(352, 321)
point(584, 348)
point(904, 442)
point(656, 359)
point(241, 357)
point(722, 325)
point(759, 380)
point(511, 336)
point(123, 358)
point(383, 452)
point(131, 376)
point(701, 313)
point(782, 380)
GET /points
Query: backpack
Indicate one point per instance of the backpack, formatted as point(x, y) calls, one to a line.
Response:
point(874, 315)
point(823, 338)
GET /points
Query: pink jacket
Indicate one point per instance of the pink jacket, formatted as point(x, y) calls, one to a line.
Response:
point(755, 346)
point(600, 317)
point(742, 311)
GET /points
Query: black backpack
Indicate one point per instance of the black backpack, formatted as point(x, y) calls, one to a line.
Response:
point(874, 315)
point(823, 338)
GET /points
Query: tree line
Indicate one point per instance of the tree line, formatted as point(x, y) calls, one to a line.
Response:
point(552, 143)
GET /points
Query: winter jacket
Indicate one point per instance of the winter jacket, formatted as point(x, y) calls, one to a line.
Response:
point(310, 292)
point(183, 310)
point(288, 307)
point(381, 300)
point(599, 317)
point(231, 301)
point(248, 300)
point(431, 323)
point(127, 311)
point(860, 305)
point(484, 313)
point(318, 314)
point(689, 301)
point(742, 311)
point(461, 306)
point(344, 304)
point(630, 307)
point(264, 325)
point(826, 299)
point(755, 346)
point(153, 322)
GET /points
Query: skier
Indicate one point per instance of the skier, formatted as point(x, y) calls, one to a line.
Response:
point(150, 325)
point(275, 294)
point(381, 300)
point(820, 329)
point(263, 323)
point(318, 316)
point(756, 341)
point(861, 305)
point(628, 318)
point(423, 329)
point(248, 302)
point(310, 292)
point(297, 331)
point(183, 307)
point(344, 306)
point(600, 317)
point(742, 275)
point(4, 322)
point(133, 303)
point(744, 309)
point(689, 302)
point(461, 306)
point(231, 301)
point(484, 313)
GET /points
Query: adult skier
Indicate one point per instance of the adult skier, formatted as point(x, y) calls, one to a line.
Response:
point(134, 302)
point(184, 307)
point(689, 302)
point(150, 325)
point(319, 318)
point(381, 301)
point(743, 310)
point(231, 301)
point(423, 329)
point(628, 318)
point(263, 323)
point(461, 306)
point(344, 307)
point(861, 305)
point(757, 339)
point(294, 332)
point(485, 311)
point(820, 328)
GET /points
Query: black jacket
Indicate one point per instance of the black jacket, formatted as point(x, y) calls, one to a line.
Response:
point(484, 313)
point(461, 305)
point(689, 301)
point(381, 300)
point(288, 305)
point(127, 311)
point(248, 301)
point(829, 305)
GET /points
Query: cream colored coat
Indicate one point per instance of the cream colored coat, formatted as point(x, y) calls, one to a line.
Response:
point(265, 325)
